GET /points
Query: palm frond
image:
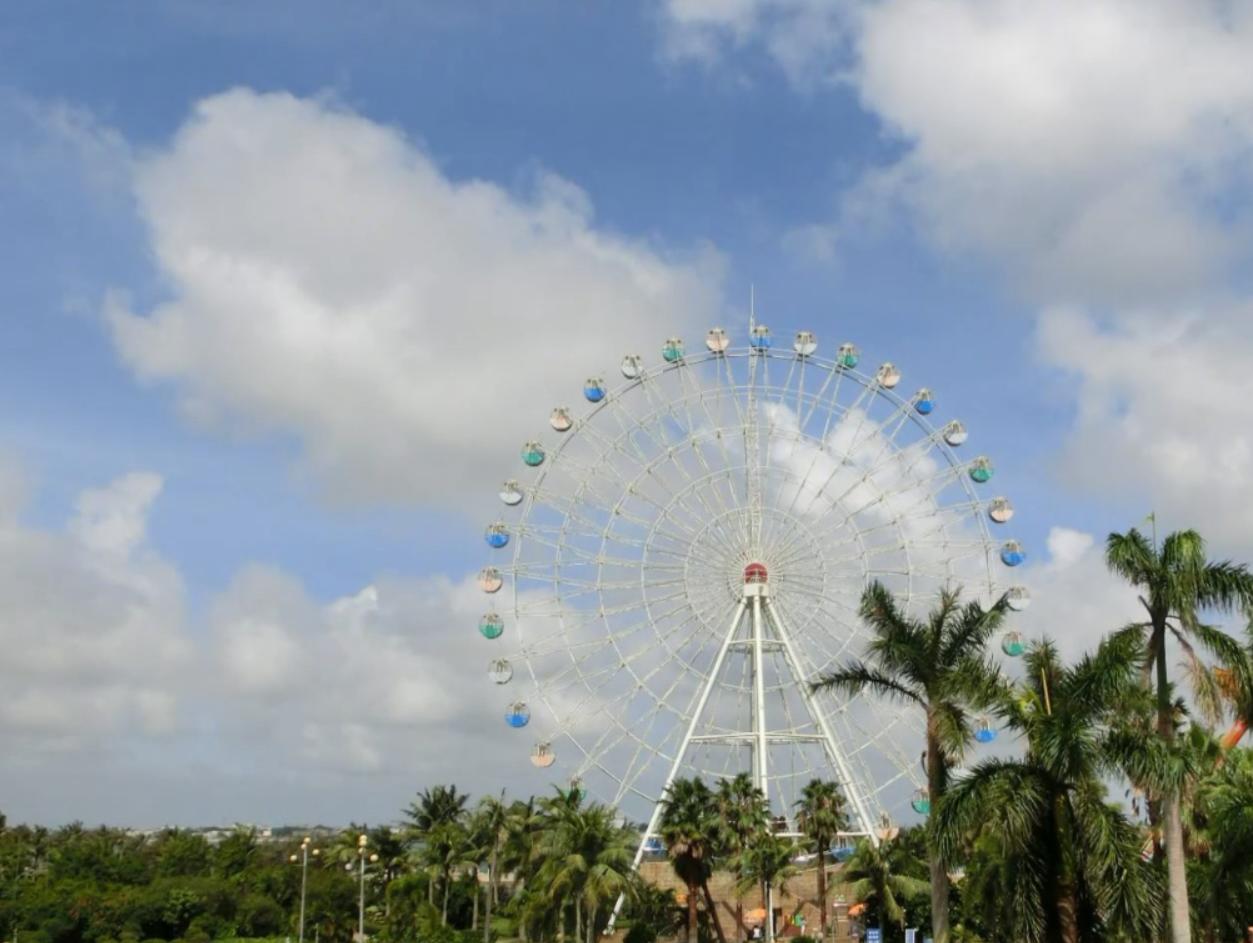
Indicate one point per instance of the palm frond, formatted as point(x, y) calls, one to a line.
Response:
point(1010, 792)
point(1131, 556)
point(973, 628)
point(1101, 678)
point(854, 677)
point(1224, 586)
point(1207, 692)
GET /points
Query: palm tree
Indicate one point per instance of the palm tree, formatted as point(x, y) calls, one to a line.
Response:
point(447, 850)
point(1223, 876)
point(821, 817)
point(1076, 866)
point(1176, 584)
point(689, 828)
point(743, 815)
point(939, 665)
point(430, 817)
point(876, 878)
point(491, 826)
point(587, 859)
point(437, 806)
point(767, 865)
point(520, 855)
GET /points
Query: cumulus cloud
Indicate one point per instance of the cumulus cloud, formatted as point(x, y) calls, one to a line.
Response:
point(388, 680)
point(328, 282)
point(801, 36)
point(1095, 154)
point(91, 622)
point(1085, 144)
point(1075, 599)
point(272, 687)
point(1092, 147)
point(1162, 414)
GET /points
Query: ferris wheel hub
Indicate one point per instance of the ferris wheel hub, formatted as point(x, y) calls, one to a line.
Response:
point(755, 573)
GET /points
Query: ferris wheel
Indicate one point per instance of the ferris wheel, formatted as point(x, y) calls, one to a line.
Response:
point(680, 558)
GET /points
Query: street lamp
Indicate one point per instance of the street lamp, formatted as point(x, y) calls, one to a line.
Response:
point(303, 858)
point(362, 841)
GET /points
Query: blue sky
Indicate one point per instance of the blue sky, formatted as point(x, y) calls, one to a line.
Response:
point(1051, 238)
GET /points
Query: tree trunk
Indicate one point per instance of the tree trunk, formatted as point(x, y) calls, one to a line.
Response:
point(1060, 900)
point(491, 877)
point(474, 920)
point(591, 925)
point(822, 892)
point(1067, 912)
point(489, 899)
point(713, 911)
point(692, 893)
point(1172, 825)
point(444, 911)
point(741, 931)
point(1177, 877)
point(768, 902)
point(578, 918)
point(939, 874)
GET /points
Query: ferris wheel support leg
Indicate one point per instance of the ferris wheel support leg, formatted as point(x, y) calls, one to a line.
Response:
point(838, 760)
point(759, 702)
point(655, 819)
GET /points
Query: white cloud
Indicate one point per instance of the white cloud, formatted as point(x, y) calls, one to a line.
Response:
point(1086, 144)
point(1075, 600)
point(1095, 152)
point(1092, 146)
point(390, 678)
point(801, 36)
point(1162, 415)
point(328, 282)
point(91, 622)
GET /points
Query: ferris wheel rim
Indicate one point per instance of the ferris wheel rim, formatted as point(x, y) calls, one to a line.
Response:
point(609, 404)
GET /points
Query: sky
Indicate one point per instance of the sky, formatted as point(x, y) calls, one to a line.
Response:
point(283, 285)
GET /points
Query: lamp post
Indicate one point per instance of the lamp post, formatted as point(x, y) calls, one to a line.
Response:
point(303, 858)
point(362, 842)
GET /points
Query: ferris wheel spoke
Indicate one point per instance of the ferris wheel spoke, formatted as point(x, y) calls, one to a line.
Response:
point(641, 685)
point(648, 649)
point(878, 495)
point(729, 506)
point(668, 407)
point(819, 450)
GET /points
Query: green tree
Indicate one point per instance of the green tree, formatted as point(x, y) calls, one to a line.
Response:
point(939, 665)
point(1077, 871)
point(767, 864)
point(743, 815)
point(586, 860)
point(652, 912)
point(821, 816)
point(440, 805)
point(1221, 875)
point(690, 830)
point(1177, 584)
point(878, 876)
point(235, 854)
point(491, 828)
point(447, 850)
point(434, 820)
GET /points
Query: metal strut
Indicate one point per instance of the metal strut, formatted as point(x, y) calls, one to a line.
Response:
point(763, 620)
